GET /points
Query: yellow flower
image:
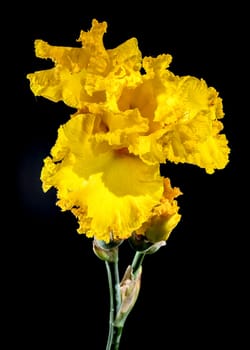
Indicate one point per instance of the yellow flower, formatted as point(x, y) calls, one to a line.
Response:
point(131, 114)
point(111, 192)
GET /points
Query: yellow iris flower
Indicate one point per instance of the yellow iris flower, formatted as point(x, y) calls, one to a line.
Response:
point(131, 114)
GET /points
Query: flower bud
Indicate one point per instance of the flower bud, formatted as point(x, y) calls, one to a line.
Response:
point(106, 251)
point(129, 288)
point(161, 227)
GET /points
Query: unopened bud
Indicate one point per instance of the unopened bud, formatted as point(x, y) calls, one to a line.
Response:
point(161, 228)
point(104, 251)
point(129, 288)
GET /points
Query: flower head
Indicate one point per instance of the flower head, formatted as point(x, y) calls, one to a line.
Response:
point(131, 114)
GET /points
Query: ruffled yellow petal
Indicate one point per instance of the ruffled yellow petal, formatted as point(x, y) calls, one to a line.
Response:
point(195, 137)
point(183, 114)
point(88, 75)
point(67, 80)
point(110, 192)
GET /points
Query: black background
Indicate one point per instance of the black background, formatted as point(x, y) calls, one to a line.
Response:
point(193, 289)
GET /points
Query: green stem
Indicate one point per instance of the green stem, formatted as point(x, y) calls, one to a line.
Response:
point(137, 261)
point(117, 284)
point(111, 306)
point(117, 337)
point(117, 331)
point(114, 335)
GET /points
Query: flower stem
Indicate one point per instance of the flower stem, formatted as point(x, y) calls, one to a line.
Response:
point(115, 333)
point(137, 261)
point(117, 337)
point(111, 306)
